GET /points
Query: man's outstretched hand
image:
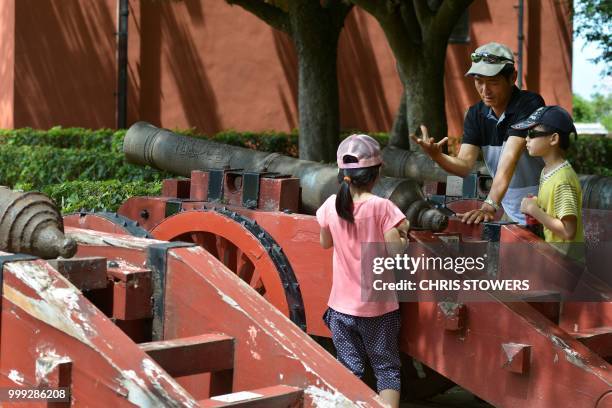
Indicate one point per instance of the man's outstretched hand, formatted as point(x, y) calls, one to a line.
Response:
point(428, 144)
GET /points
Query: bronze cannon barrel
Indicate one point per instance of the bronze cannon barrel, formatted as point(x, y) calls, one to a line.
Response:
point(596, 191)
point(146, 144)
point(30, 223)
point(412, 164)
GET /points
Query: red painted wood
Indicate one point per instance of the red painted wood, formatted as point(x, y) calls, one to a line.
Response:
point(278, 396)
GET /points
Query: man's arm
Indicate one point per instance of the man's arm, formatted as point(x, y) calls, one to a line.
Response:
point(505, 170)
point(461, 165)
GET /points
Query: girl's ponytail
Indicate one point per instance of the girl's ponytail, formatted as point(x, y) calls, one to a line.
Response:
point(344, 200)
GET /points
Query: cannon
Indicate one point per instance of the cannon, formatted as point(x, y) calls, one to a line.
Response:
point(114, 326)
point(146, 144)
point(412, 164)
point(596, 191)
point(30, 223)
point(278, 254)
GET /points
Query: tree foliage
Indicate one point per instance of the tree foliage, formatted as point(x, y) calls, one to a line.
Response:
point(599, 109)
point(593, 22)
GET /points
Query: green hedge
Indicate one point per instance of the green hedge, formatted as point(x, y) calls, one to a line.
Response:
point(112, 141)
point(105, 195)
point(41, 160)
point(75, 138)
point(591, 155)
point(279, 142)
point(43, 165)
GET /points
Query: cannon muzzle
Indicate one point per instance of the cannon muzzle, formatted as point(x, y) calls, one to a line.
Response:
point(30, 223)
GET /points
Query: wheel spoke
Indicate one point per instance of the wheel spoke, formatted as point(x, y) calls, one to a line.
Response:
point(207, 241)
point(241, 247)
point(230, 255)
point(244, 267)
point(256, 283)
point(226, 252)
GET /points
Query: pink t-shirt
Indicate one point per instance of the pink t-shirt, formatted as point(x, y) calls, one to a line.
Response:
point(373, 217)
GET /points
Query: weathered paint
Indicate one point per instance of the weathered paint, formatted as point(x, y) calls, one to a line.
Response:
point(159, 376)
point(38, 293)
point(16, 377)
point(427, 341)
point(47, 362)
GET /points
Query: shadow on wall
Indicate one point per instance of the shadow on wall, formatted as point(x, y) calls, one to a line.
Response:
point(147, 105)
point(285, 50)
point(363, 104)
point(64, 51)
point(533, 46)
point(195, 91)
point(565, 34)
point(459, 90)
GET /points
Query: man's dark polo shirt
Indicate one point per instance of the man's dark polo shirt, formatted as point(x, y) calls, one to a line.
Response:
point(483, 129)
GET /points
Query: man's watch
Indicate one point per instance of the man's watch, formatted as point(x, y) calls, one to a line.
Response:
point(492, 203)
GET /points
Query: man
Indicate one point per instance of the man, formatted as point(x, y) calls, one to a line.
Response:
point(487, 128)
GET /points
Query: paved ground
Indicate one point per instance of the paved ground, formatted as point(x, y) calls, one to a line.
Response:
point(456, 397)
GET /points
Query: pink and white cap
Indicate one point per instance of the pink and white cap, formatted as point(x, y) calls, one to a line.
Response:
point(363, 148)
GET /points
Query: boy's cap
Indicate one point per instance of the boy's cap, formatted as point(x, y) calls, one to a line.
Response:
point(554, 117)
point(363, 148)
point(486, 68)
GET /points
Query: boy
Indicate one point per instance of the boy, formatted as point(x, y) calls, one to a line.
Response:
point(558, 205)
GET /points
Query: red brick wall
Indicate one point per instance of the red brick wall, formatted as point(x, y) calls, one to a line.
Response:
point(7, 62)
point(207, 65)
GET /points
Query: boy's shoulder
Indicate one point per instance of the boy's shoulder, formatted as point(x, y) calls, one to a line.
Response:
point(567, 174)
point(563, 174)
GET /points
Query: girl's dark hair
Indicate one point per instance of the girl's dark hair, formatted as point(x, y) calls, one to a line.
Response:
point(359, 178)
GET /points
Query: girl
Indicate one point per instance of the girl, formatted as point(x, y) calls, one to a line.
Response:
point(361, 331)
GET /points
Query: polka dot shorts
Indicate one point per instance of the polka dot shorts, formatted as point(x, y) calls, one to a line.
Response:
point(362, 339)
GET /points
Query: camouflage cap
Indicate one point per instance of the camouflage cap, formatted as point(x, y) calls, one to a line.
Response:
point(490, 59)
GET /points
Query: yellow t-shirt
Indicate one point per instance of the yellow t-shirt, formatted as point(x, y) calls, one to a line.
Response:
point(560, 195)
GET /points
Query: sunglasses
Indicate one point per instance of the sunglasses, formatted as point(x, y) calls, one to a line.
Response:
point(532, 134)
point(489, 58)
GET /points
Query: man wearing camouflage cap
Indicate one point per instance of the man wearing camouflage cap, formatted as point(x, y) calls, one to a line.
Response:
point(487, 127)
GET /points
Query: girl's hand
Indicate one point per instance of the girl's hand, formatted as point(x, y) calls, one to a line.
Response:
point(529, 205)
point(403, 228)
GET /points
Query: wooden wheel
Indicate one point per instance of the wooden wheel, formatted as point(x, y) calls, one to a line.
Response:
point(243, 247)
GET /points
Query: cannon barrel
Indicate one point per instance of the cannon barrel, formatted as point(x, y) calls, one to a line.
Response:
point(412, 164)
point(596, 191)
point(30, 223)
point(146, 144)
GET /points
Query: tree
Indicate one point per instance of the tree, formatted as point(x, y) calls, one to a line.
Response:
point(583, 110)
point(314, 27)
point(593, 22)
point(599, 109)
point(418, 33)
